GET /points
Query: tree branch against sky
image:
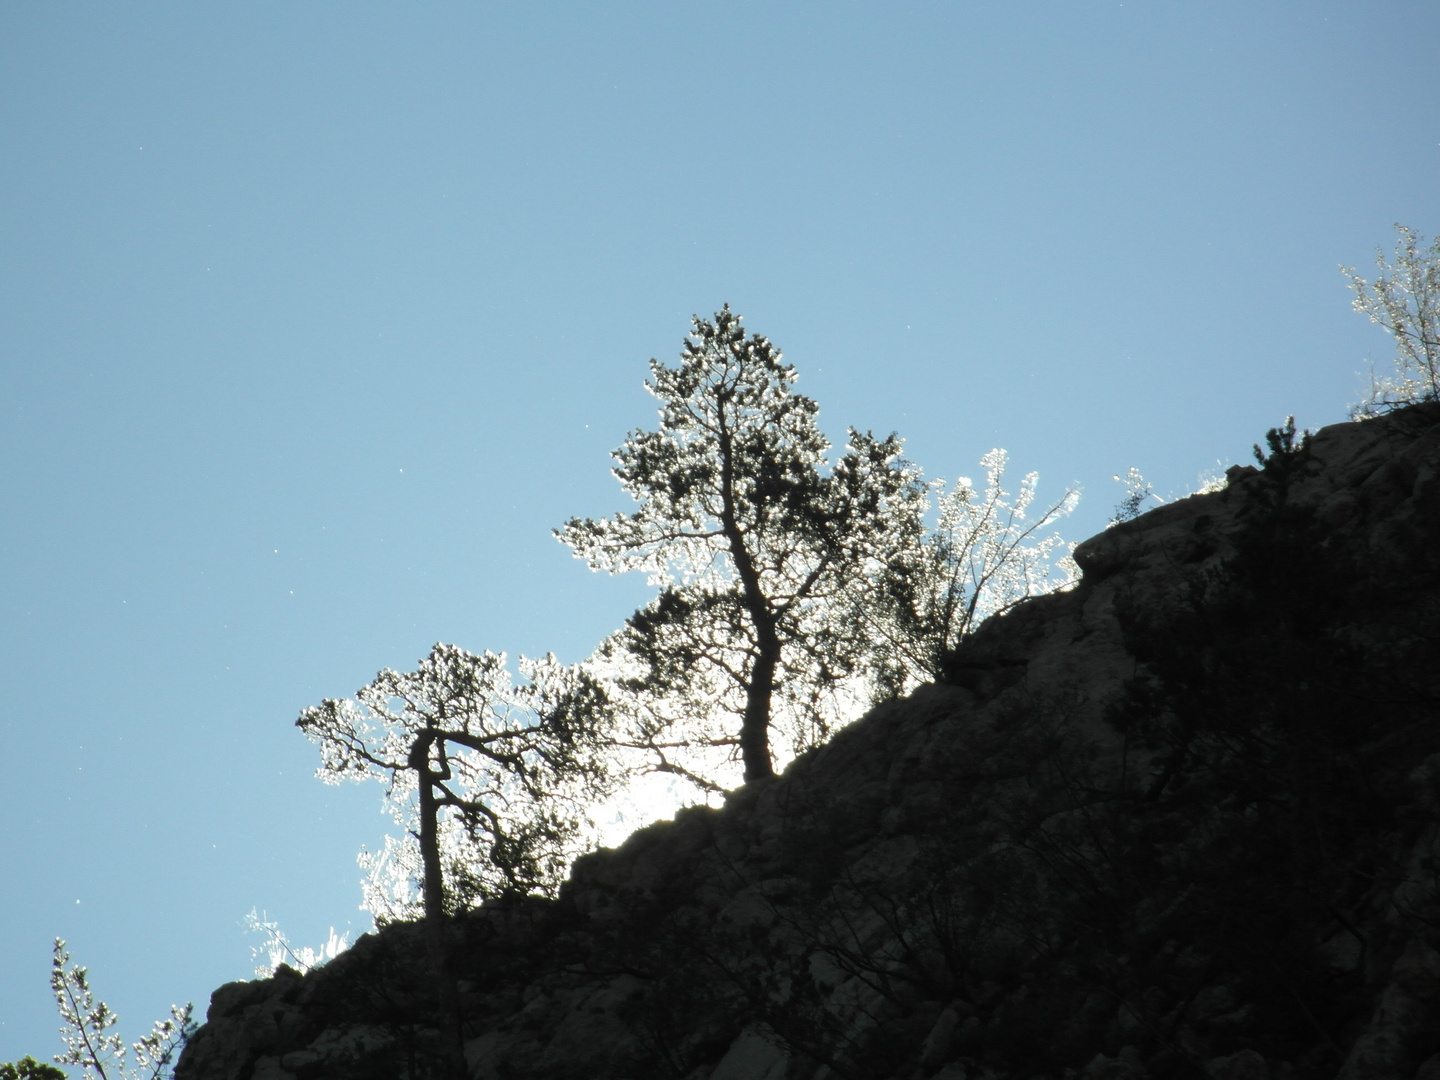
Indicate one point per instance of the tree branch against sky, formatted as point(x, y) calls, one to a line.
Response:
point(986, 553)
point(87, 1028)
point(1405, 300)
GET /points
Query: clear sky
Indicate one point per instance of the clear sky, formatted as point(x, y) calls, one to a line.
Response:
point(316, 318)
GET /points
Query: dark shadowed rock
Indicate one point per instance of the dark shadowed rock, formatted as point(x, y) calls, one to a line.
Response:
point(1179, 822)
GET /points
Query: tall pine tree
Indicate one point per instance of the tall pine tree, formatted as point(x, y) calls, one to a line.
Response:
point(754, 540)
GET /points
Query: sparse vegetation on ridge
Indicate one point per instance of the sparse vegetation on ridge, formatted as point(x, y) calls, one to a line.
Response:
point(1176, 822)
point(90, 1042)
point(794, 590)
point(1404, 299)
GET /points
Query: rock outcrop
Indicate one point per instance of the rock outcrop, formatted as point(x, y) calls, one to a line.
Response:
point(1182, 821)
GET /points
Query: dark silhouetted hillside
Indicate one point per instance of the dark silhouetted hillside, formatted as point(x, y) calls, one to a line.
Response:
point(1183, 821)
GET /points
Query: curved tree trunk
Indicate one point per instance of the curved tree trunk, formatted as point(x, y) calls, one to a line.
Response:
point(755, 724)
point(447, 986)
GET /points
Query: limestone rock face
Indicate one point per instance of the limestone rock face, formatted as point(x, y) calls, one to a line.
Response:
point(1182, 821)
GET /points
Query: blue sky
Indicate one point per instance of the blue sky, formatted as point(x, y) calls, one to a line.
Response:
point(318, 317)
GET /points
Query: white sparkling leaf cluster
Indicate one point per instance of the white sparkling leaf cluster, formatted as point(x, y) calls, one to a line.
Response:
point(986, 553)
point(508, 774)
point(1404, 299)
point(90, 1042)
point(276, 949)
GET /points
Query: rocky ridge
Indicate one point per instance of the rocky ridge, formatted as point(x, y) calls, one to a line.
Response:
point(1182, 821)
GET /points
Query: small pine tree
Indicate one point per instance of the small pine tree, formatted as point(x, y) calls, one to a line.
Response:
point(1137, 493)
point(89, 1041)
point(488, 779)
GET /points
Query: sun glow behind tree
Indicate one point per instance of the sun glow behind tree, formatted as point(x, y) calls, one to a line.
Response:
point(793, 592)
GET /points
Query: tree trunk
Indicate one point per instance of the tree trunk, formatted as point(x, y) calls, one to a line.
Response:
point(755, 726)
point(433, 886)
point(451, 1020)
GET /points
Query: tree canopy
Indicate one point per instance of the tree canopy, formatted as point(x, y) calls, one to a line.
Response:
point(1405, 300)
point(795, 587)
point(753, 541)
point(488, 778)
point(27, 1068)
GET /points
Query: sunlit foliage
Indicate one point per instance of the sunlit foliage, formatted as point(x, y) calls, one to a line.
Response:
point(753, 539)
point(987, 551)
point(795, 588)
point(90, 1042)
point(793, 592)
point(1138, 492)
point(488, 778)
point(1404, 299)
point(277, 948)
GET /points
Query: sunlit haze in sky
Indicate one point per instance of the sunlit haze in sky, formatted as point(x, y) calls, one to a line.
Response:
point(318, 317)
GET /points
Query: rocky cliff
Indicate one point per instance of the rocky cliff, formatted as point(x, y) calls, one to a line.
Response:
point(1182, 821)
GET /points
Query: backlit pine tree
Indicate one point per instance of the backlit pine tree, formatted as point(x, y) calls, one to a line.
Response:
point(755, 542)
point(488, 779)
